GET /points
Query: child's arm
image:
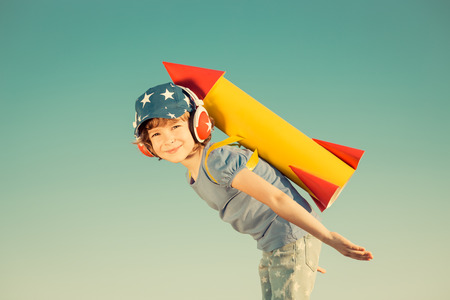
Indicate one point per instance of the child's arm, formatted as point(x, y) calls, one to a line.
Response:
point(255, 186)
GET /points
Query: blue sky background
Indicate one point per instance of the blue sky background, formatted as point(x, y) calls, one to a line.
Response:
point(84, 216)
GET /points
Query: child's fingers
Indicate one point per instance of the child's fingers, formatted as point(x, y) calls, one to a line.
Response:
point(357, 248)
point(361, 255)
point(349, 249)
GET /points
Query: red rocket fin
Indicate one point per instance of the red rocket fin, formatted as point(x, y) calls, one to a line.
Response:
point(319, 204)
point(350, 156)
point(199, 80)
point(322, 190)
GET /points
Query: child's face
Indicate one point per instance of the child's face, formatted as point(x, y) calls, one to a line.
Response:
point(173, 141)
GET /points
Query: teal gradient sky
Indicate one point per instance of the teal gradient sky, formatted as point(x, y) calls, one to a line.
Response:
point(84, 216)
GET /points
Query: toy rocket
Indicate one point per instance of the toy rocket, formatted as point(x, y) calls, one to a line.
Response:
point(320, 168)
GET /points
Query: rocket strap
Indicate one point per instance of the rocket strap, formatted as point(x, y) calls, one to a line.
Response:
point(251, 163)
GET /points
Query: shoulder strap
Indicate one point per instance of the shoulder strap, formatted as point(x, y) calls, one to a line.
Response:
point(251, 163)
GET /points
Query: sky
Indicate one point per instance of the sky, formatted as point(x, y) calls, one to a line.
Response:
point(83, 215)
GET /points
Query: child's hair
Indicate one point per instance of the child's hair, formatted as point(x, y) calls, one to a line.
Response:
point(155, 122)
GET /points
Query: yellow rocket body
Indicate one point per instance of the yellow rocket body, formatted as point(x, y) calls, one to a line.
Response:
point(278, 142)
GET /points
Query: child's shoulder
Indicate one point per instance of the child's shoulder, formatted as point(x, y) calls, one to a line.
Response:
point(227, 157)
point(223, 163)
point(227, 152)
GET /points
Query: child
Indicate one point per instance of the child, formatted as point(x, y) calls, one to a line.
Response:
point(254, 197)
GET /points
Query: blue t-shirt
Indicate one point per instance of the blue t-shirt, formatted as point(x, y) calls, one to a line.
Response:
point(244, 213)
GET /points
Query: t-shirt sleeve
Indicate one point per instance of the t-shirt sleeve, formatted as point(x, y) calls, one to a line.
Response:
point(225, 163)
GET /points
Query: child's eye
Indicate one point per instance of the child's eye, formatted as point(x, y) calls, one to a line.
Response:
point(176, 126)
point(154, 135)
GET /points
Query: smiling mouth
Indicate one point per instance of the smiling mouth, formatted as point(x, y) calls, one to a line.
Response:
point(172, 151)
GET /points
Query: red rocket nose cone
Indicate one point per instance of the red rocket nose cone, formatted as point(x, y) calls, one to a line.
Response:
point(199, 80)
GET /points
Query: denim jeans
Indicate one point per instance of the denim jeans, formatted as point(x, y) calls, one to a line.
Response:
point(289, 272)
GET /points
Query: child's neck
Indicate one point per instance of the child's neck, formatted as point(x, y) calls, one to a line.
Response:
point(193, 162)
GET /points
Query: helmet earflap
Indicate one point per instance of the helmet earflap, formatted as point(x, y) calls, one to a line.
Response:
point(144, 150)
point(199, 122)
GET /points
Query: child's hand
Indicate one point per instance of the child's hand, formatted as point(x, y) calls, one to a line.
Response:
point(347, 248)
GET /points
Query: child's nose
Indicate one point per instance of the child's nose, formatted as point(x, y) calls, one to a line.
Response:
point(170, 138)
